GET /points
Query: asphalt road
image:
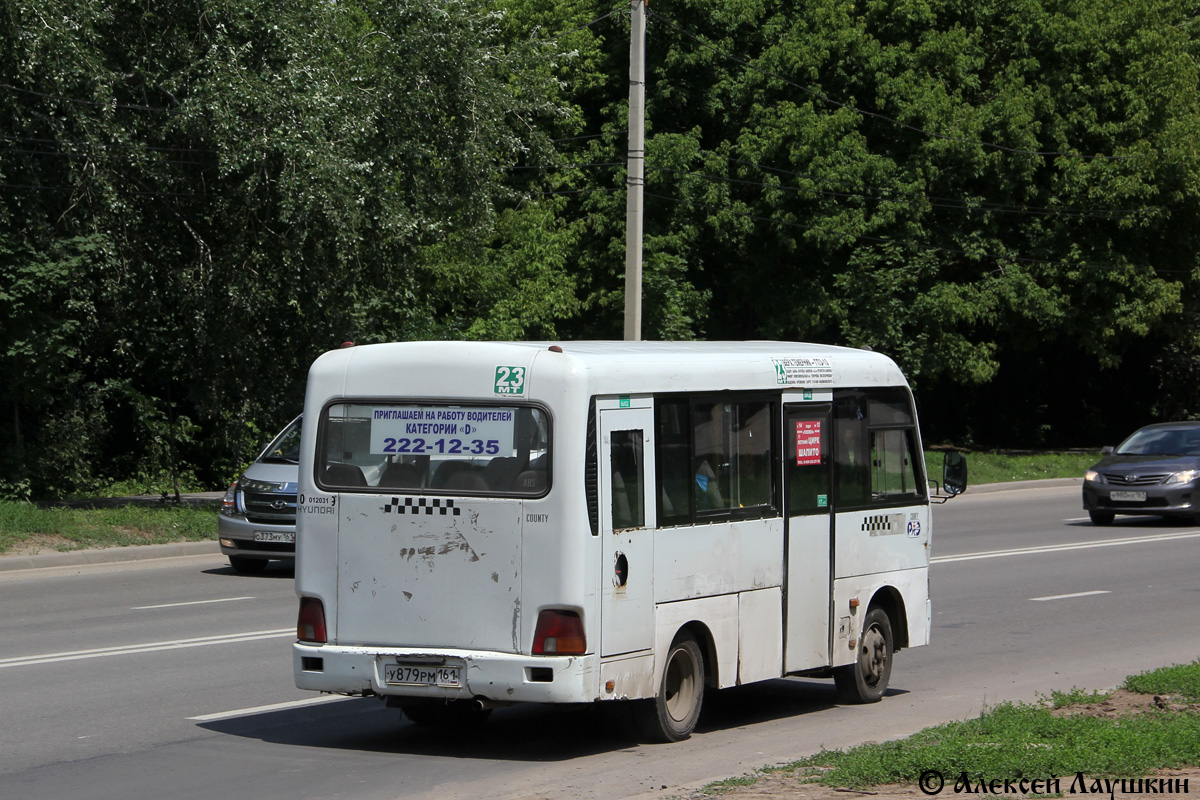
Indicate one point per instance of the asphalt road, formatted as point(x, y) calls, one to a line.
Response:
point(171, 678)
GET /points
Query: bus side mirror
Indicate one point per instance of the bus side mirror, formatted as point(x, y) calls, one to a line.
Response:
point(954, 473)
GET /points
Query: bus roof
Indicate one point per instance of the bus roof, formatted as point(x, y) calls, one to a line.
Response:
point(425, 368)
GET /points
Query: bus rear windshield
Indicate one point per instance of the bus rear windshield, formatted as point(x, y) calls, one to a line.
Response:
point(434, 447)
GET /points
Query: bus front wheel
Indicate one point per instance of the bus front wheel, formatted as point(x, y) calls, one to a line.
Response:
point(672, 715)
point(867, 678)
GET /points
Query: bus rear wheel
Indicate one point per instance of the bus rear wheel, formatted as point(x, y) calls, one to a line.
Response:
point(672, 715)
point(867, 678)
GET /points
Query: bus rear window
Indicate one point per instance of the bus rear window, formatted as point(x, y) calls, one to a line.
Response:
point(435, 448)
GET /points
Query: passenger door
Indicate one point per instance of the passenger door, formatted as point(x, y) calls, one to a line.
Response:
point(807, 468)
point(626, 516)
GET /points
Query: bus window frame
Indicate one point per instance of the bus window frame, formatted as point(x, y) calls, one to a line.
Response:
point(319, 460)
point(698, 516)
point(919, 493)
point(920, 496)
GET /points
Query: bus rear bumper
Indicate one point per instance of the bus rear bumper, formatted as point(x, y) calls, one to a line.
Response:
point(463, 674)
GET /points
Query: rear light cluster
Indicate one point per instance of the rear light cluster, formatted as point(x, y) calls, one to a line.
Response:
point(559, 633)
point(310, 625)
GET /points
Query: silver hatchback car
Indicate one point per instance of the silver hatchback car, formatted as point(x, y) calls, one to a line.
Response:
point(1155, 471)
point(257, 522)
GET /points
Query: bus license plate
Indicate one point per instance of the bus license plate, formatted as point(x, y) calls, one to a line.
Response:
point(1128, 497)
point(275, 536)
point(421, 675)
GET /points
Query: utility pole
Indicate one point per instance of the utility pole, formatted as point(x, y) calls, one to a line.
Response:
point(635, 179)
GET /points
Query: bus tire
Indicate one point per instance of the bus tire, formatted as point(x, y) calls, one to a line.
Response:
point(867, 678)
point(247, 565)
point(672, 715)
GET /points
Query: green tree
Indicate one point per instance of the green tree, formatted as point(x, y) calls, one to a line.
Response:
point(223, 190)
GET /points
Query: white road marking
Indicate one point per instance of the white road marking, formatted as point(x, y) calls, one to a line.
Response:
point(149, 647)
point(1068, 596)
point(1057, 548)
point(244, 712)
point(192, 603)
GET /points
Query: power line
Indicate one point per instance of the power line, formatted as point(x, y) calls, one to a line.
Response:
point(912, 199)
point(988, 206)
point(110, 145)
point(593, 190)
point(35, 187)
point(581, 27)
point(80, 101)
point(904, 199)
point(567, 166)
point(84, 155)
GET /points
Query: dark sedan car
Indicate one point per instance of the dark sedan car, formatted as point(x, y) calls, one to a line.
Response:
point(1154, 471)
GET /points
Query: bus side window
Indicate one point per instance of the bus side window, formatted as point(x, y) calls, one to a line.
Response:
point(715, 459)
point(853, 476)
point(893, 471)
point(673, 453)
point(875, 450)
point(628, 478)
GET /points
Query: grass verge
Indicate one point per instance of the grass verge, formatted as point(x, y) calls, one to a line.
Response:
point(1057, 737)
point(1003, 467)
point(26, 528)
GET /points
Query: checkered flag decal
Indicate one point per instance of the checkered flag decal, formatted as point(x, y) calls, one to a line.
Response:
point(879, 522)
point(421, 505)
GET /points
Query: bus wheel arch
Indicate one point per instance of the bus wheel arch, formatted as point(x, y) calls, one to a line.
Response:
point(671, 715)
point(708, 648)
point(889, 599)
point(884, 632)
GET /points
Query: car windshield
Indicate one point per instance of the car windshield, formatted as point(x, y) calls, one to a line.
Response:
point(1162, 442)
point(285, 449)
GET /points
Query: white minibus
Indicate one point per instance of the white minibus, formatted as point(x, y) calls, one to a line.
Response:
point(486, 523)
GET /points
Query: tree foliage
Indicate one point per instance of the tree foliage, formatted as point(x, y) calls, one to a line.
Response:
point(202, 197)
point(999, 194)
point(198, 198)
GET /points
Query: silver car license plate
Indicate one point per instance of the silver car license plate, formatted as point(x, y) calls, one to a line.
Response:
point(1127, 497)
point(275, 536)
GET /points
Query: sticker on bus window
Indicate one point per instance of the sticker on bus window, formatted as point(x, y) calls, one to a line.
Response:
point(808, 442)
point(441, 430)
point(510, 380)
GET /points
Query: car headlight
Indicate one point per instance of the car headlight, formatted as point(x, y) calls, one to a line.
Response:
point(1187, 476)
point(229, 501)
point(1092, 476)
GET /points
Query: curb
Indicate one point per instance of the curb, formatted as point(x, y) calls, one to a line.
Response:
point(1012, 486)
point(108, 555)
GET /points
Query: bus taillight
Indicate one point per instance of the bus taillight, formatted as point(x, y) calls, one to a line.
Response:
point(310, 626)
point(559, 633)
